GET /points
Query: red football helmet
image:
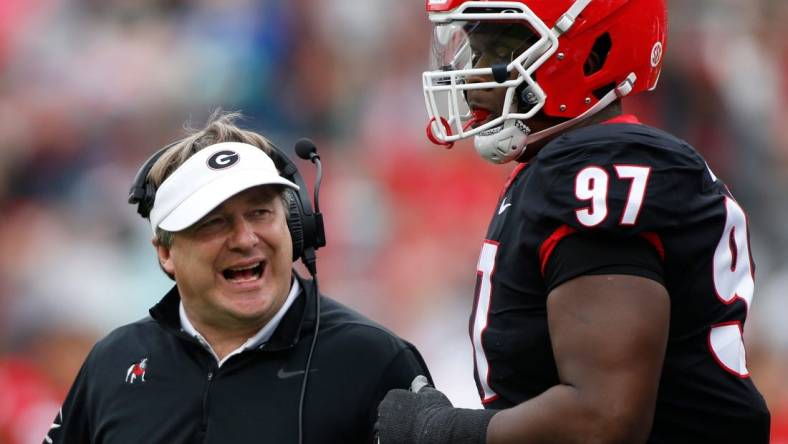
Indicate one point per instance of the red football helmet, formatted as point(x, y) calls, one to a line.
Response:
point(547, 69)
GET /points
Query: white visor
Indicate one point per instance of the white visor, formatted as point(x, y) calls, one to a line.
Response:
point(208, 178)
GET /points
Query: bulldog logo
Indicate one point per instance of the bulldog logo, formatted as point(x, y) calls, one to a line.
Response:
point(137, 371)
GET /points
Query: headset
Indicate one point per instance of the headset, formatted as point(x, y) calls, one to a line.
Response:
point(305, 225)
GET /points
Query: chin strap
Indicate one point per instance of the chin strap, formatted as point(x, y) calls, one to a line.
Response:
point(509, 141)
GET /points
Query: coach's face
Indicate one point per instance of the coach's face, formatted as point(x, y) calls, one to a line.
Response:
point(233, 268)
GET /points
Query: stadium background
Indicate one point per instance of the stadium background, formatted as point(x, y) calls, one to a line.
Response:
point(89, 88)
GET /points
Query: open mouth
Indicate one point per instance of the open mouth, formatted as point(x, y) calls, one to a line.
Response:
point(248, 273)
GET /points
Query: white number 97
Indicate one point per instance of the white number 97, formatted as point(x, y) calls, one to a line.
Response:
point(592, 183)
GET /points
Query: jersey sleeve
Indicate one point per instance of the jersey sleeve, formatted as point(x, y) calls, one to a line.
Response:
point(583, 254)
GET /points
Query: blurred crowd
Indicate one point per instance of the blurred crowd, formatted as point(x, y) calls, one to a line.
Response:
point(90, 88)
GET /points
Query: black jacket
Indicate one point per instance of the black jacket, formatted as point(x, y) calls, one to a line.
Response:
point(149, 382)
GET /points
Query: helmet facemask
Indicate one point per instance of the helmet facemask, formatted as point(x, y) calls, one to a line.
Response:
point(495, 50)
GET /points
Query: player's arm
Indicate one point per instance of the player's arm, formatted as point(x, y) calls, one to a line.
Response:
point(608, 323)
point(609, 334)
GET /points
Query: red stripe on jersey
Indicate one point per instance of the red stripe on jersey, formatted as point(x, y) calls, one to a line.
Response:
point(509, 181)
point(653, 239)
point(623, 118)
point(547, 247)
point(491, 399)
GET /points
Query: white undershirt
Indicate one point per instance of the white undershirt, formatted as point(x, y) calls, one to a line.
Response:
point(259, 338)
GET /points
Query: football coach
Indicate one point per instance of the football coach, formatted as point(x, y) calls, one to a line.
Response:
point(230, 354)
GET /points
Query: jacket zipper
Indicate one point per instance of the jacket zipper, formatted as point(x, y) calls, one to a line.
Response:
point(211, 375)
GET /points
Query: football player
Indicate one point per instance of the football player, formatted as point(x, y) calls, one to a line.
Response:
point(616, 275)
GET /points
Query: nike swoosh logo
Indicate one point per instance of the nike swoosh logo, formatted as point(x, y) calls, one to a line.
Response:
point(504, 206)
point(282, 374)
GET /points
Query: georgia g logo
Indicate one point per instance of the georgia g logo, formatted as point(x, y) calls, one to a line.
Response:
point(137, 370)
point(223, 159)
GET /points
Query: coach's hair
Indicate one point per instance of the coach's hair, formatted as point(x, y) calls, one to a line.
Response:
point(220, 128)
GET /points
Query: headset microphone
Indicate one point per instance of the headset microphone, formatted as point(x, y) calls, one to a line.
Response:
point(307, 150)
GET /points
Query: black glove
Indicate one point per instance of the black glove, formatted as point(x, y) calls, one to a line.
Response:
point(424, 415)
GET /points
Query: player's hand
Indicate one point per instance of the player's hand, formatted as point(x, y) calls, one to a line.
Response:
point(403, 415)
point(424, 415)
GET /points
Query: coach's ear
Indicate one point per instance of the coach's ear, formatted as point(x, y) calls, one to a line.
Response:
point(165, 258)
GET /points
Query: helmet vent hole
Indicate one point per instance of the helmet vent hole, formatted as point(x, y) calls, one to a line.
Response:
point(598, 55)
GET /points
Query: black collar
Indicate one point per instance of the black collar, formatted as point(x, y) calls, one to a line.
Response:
point(299, 319)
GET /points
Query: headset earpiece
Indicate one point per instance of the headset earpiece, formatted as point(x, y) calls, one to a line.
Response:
point(142, 193)
point(306, 232)
point(146, 204)
point(294, 222)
